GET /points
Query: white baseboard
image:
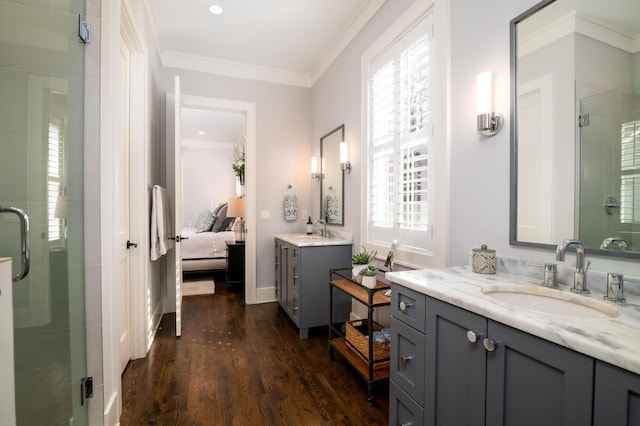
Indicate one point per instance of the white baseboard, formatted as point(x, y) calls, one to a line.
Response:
point(265, 294)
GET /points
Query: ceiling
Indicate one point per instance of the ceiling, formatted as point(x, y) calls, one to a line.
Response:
point(282, 41)
point(285, 41)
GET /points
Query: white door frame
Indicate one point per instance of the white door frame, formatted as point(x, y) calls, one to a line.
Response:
point(249, 111)
point(118, 16)
point(139, 188)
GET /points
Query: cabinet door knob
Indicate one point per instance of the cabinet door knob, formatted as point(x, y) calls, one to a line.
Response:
point(405, 359)
point(489, 344)
point(404, 305)
point(472, 336)
point(406, 424)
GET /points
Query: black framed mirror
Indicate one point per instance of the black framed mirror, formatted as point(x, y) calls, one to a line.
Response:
point(331, 178)
point(575, 115)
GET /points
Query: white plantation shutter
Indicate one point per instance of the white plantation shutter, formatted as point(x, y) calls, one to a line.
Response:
point(400, 131)
point(54, 181)
point(630, 172)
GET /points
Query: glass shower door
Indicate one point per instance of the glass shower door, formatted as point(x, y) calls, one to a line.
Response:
point(41, 172)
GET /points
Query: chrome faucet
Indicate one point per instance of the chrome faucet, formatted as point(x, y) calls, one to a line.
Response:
point(323, 230)
point(580, 275)
point(608, 242)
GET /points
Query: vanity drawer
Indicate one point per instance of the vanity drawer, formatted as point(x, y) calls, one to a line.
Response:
point(403, 410)
point(408, 359)
point(409, 307)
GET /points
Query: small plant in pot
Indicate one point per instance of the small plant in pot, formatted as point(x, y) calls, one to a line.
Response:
point(361, 260)
point(368, 275)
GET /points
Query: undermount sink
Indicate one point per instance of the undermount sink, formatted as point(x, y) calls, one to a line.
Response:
point(551, 301)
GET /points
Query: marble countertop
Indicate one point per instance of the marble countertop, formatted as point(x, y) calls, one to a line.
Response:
point(304, 240)
point(613, 340)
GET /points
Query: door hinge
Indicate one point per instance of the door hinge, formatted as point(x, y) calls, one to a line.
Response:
point(86, 389)
point(583, 120)
point(84, 30)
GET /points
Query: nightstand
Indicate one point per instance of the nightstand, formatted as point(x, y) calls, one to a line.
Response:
point(235, 263)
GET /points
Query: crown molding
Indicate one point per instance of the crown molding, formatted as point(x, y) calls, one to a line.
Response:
point(192, 143)
point(366, 12)
point(234, 69)
point(576, 22)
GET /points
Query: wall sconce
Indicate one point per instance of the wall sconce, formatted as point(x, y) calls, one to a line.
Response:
point(345, 165)
point(314, 168)
point(489, 122)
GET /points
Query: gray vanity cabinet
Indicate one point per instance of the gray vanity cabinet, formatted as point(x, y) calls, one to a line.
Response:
point(455, 367)
point(531, 381)
point(302, 283)
point(514, 378)
point(617, 397)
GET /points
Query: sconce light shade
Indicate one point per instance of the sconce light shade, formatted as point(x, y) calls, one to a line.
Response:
point(314, 168)
point(489, 122)
point(345, 165)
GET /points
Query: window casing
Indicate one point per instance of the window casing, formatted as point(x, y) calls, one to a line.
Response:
point(400, 135)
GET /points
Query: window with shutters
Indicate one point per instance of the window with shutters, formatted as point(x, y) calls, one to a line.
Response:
point(400, 134)
point(56, 203)
point(630, 172)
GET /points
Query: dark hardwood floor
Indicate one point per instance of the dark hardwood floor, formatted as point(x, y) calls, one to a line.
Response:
point(239, 364)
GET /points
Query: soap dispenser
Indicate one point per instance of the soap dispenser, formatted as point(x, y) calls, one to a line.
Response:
point(309, 226)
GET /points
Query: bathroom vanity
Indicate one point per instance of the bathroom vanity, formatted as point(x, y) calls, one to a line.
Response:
point(302, 265)
point(464, 355)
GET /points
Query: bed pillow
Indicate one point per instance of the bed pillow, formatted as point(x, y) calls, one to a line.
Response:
point(205, 221)
point(227, 224)
point(220, 217)
point(218, 207)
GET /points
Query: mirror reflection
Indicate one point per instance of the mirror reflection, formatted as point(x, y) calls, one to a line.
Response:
point(576, 125)
point(331, 178)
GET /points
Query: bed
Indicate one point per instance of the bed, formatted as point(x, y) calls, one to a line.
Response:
point(204, 251)
point(203, 246)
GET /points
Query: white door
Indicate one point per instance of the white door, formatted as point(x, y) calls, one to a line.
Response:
point(174, 190)
point(122, 185)
point(7, 376)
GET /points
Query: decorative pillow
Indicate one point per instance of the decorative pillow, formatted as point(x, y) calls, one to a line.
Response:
point(205, 221)
point(217, 209)
point(220, 216)
point(227, 224)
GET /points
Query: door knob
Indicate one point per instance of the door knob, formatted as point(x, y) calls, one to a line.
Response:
point(130, 244)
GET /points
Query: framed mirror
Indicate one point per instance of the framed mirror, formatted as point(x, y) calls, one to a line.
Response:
point(575, 126)
point(331, 178)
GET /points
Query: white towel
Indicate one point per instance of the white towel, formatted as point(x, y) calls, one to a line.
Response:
point(160, 222)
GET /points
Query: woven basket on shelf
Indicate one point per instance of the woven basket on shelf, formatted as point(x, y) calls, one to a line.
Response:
point(356, 336)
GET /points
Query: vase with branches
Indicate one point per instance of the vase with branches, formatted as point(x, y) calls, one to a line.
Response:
point(239, 160)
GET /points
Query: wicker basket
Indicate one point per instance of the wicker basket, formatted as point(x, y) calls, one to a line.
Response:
point(356, 334)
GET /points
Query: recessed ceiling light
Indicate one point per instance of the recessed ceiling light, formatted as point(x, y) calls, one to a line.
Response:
point(215, 9)
point(201, 132)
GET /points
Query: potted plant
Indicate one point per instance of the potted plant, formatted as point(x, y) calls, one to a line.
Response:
point(361, 260)
point(369, 274)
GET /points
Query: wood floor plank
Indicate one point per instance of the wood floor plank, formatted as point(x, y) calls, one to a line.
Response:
point(238, 364)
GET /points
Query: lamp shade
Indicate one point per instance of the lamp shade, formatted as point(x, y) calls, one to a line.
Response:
point(236, 207)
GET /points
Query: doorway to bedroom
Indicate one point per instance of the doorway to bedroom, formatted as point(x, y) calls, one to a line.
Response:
point(212, 141)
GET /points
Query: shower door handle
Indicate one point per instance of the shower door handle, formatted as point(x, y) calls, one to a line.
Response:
point(24, 235)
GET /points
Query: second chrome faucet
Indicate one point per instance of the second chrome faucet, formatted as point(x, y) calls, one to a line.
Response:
point(580, 274)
